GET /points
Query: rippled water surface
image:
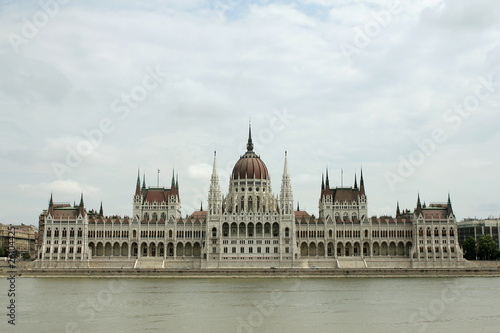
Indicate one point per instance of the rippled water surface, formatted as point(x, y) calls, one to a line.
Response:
point(254, 305)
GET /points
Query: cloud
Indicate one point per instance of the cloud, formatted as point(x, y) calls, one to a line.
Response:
point(247, 61)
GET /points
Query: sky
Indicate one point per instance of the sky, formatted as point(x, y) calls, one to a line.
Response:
point(93, 91)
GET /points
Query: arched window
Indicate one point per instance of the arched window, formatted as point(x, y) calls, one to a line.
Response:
point(64, 233)
point(163, 216)
point(72, 232)
point(56, 233)
point(214, 232)
point(170, 234)
point(276, 230)
point(146, 216)
point(287, 232)
point(155, 216)
point(49, 232)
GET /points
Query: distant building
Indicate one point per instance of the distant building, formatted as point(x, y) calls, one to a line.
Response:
point(250, 227)
point(478, 228)
point(25, 238)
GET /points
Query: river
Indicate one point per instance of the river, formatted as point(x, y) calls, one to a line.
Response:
point(254, 305)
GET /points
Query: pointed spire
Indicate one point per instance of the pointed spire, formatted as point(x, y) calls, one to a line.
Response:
point(177, 181)
point(361, 184)
point(101, 213)
point(285, 166)
point(298, 207)
point(138, 185)
point(398, 212)
point(250, 143)
point(144, 181)
point(322, 181)
point(173, 179)
point(51, 202)
point(81, 200)
point(419, 205)
point(215, 201)
point(450, 208)
point(286, 194)
point(327, 184)
point(201, 206)
point(355, 181)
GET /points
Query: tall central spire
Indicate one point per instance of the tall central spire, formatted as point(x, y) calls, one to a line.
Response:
point(250, 143)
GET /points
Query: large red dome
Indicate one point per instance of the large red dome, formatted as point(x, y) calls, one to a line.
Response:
point(250, 166)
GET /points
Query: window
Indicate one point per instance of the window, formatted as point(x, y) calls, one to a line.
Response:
point(267, 250)
point(276, 250)
point(250, 249)
point(242, 249)
point(225, 249)
point(233, 250)
point(214, 232)
point(214, 249)
point(258, 249)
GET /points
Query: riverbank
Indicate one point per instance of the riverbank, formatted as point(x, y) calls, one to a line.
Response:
point(250, 273)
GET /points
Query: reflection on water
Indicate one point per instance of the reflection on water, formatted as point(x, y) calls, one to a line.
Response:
point(256, 305)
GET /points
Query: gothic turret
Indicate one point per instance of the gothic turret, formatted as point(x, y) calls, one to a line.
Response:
point(286, 195)
point(214, 195)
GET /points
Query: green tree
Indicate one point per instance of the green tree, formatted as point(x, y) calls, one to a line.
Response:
point(25, 256)
point(3, 252)
point(470, 246)
point(487, 247)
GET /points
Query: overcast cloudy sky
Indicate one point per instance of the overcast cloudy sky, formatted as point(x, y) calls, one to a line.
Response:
point(90, 91)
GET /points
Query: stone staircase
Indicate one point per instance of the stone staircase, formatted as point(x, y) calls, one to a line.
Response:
point(149, 263)
point(351, 262)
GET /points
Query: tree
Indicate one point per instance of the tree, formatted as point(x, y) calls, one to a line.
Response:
point(25, 256)
point(469, 246)
point(487, 247)
point(3, 252)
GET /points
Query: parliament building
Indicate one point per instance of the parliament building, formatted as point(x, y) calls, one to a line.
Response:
point(250, 227)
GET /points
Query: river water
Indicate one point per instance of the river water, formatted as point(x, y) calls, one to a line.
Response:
point(254, 305)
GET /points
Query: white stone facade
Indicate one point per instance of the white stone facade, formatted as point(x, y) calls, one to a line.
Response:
point(249, 228)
